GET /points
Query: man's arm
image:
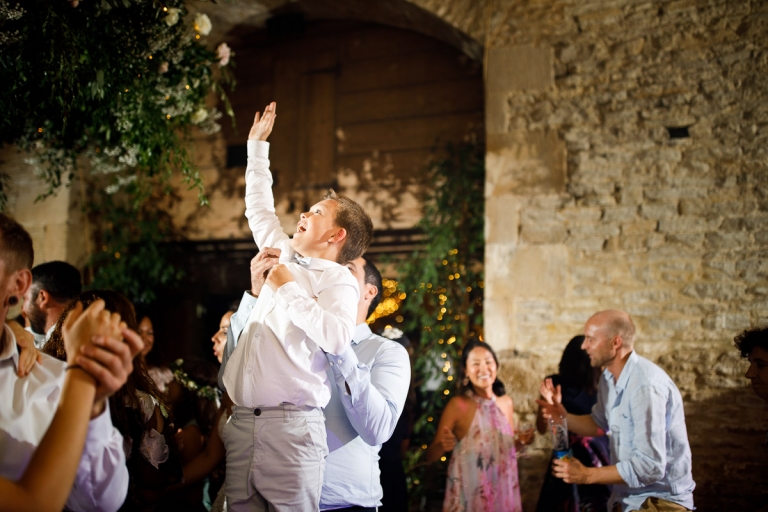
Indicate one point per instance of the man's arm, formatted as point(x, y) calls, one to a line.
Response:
point(648, 462)
point(574, 472)
point(373, 397)
point(259, 201)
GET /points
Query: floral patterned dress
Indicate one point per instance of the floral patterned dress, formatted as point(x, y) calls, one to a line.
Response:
point(482, 475)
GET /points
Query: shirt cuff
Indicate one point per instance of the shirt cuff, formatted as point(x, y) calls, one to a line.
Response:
point(625, 472)
point(258, 149)
point(99, 429)
point(343, 365)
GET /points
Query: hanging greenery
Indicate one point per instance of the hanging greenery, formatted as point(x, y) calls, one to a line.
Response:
point(108, 91)
point(443, 282)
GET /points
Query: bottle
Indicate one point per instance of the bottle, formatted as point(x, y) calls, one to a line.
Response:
point(558, 427)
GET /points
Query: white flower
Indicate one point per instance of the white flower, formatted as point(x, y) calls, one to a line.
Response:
point(173, 16)
point(199, 116)
point(392, 333)
point(203, 23)
point(223, 52)
point(163, 68)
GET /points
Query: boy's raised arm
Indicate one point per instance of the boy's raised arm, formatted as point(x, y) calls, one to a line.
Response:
point(259, 201)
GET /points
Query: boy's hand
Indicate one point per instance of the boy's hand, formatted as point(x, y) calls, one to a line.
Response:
point(278, 276)
point(261, 264)
point(262, 125)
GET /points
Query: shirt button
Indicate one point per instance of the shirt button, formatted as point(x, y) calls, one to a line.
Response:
point(339, 361)
point(257, 412)
point(331, 363)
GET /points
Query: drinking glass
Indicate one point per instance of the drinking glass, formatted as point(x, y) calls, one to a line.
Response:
point(525, 434)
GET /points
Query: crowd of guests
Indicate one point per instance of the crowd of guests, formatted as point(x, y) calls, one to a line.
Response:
point(295, 416)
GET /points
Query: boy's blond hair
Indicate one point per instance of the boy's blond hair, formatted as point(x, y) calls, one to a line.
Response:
point(353, 218)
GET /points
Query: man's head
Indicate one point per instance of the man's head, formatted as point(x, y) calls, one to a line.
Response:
point(607, 335)
point(369, 281)
point(753, 344)
point(54, 285)
point(16, 257)
point(336, 228)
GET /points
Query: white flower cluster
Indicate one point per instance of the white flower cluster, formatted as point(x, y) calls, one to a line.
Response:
point(392, 333)
point(8, 13)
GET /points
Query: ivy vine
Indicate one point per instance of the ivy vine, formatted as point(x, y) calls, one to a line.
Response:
point(443, 281)
point(109, 91)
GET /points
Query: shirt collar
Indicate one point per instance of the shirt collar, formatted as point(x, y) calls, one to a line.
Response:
point(9, 349)
point(362, 332)
point(624, 377)
point(314, 263)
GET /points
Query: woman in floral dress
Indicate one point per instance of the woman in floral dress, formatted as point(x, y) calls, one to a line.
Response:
point(477, 426)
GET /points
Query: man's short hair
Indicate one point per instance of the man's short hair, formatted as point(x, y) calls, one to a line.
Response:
point(373, 276)
point(15, 245)
point(61, 280)
point(619, 323)
point(353, 218)
point(751, 338)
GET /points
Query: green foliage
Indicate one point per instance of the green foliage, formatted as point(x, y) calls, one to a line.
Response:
point(443, 282)
point(132, 257)
point(116, 85)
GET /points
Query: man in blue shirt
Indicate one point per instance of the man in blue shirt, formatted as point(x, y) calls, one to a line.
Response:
point(643, 411)
point(369, 385)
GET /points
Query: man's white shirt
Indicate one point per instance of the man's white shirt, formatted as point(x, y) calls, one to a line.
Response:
point(27, 407)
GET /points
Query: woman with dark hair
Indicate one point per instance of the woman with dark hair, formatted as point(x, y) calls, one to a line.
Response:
point(137, 412)
point(156, 363)
point(577, 381)
point(477, 426)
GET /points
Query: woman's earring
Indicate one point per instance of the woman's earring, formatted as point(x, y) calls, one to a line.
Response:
point(465, 381)
point(13, 300)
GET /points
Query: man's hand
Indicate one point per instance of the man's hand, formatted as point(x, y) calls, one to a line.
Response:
point(446, 439)
point(572, 471)
point(278, 276)
point(262, 125)
point(261, 264)
point(109, 361)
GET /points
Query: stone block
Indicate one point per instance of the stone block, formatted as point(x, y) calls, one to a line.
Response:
point(603, 230)
point(588, 244)
point(517, 68)
point(688, 224)
point(580, 214)
point(531, 163)
point(619, 213)
point(694, 240)
point(639, 227)
point(496, 111)
point(663, 210)
point(717, 291)
point(502, 219)
point(538, 271)
point(498, 316)
point(724, 241)
point(543, 232)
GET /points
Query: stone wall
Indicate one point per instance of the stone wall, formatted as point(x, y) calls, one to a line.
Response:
point(592, 203)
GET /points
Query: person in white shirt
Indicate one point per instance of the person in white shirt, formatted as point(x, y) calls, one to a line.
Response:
point(28, 404)
point(276, 377)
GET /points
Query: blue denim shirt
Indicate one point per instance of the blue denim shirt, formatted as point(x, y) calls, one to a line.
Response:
point(649, 443)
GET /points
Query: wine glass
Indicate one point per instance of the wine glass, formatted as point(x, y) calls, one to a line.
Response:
point(525, 434)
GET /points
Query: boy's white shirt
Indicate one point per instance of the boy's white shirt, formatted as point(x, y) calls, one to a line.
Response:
point(279, 356)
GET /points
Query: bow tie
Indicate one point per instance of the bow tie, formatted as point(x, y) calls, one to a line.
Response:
point(303, 261)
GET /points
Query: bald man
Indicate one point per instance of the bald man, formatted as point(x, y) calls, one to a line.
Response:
point(643, 411)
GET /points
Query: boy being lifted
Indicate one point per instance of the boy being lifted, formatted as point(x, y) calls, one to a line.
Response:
point(276, 376)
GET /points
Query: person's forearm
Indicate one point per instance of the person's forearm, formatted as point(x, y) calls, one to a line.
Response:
point(606, 475)
point(60, 449)
point(434, 452)
point(583, 425)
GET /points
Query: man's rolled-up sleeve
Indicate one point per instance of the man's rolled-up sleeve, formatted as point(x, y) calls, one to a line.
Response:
point(376, 394)
point(101, 483)
point(648, 458)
